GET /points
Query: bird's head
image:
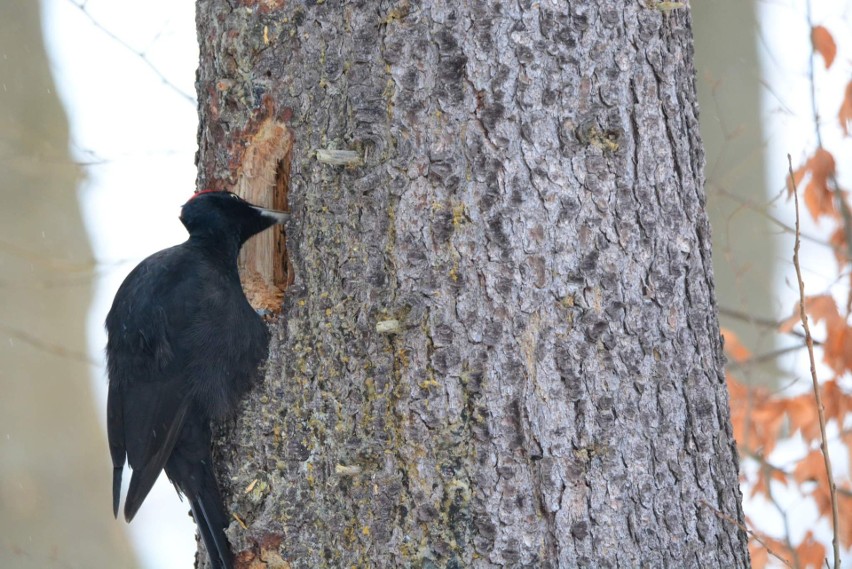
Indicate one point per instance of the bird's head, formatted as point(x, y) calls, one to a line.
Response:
point(223, 215)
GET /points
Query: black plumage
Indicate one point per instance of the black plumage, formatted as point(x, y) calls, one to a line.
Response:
point(183, 347)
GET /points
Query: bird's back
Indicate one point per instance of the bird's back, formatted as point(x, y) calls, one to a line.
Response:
point(180, 316)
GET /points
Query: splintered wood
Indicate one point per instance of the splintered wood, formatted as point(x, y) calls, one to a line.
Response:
point(264, 180)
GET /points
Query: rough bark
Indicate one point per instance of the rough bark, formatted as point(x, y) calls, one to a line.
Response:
point(501, 345)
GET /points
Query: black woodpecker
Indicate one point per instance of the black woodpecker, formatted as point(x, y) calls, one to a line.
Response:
point(183, 347)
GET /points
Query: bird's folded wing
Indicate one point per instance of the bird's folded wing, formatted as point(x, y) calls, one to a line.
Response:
point(154, 414)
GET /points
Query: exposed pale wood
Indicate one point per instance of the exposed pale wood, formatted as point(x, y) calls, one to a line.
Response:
point(263, 179)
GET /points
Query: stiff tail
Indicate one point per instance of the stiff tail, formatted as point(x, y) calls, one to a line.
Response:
point(210, 516)
point(116, 488)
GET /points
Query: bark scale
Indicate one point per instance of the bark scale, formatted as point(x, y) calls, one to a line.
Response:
point(500, 348)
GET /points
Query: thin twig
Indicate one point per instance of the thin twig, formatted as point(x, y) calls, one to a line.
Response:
point(757, 538)
point(762, 211)
point(750, 318)
point(764, 472)
point(140, 54)
point(56, 350)
point(758, 321)
point(820, 410)
point(763, 358)
point(761, 460)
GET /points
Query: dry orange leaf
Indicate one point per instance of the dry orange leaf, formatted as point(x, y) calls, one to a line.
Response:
point(821, 495)
point(764, 426)
point(779, 476)
point(810, 552)
point(837, 347)
point(844, 505)
point(733, 347)
point(835, 401)
point(803, 415)
point(819, 307)
point(845, 113)
point(822, 307)
point(811, 469)
point(819, 199)
point(762, 484)
point(759, 487)
point(846, 437)
point(839, 246)
point(824, 44)
point(756, 418)
point(736, 389)
point(759, 555)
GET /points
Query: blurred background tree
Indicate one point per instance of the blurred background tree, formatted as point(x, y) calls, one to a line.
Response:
point(53, 475)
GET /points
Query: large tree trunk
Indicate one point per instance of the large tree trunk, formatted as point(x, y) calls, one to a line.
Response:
point(501, 345)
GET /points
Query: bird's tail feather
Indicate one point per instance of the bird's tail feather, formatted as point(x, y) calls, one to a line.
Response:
point(116, 488)
point(210, 516)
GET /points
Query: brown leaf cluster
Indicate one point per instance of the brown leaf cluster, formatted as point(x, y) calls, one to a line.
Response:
point(840, 247)
point(819, 199)
point(808, 554)
point(759, 417)
point(837, 346)
point(759, 420)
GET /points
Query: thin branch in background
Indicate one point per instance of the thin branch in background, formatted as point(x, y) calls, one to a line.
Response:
point(765, 472)
point(89, 266)
point(763, 358)
point(39, 344)
point(750, 318)
point(759, 321)
point(762, 210)
point(140, 54)
point(820, 410)
point(765, 323)
point(763, 462)
point(46, 261)
point(723, 516)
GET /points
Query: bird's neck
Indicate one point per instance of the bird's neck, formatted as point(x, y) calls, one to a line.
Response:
point(222, 250)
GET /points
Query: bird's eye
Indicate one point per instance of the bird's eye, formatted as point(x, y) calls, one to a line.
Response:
point(235, 196)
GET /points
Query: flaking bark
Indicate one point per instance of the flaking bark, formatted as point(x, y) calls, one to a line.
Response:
point(527, 205)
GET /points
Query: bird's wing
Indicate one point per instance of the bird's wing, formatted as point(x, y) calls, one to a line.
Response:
point(148, 393)
point(152, 424)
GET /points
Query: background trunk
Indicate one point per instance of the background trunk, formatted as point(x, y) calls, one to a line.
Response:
point(501, 345)
point(54, 473)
